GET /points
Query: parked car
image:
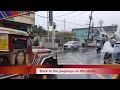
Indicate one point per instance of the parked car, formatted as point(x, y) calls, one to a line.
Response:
point(71, 45)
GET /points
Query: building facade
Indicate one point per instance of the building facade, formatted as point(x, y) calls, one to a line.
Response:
point(23, 22)
point(82, 33)
point(96, 33)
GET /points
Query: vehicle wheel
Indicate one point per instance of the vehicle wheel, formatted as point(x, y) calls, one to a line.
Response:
point(49, 61)
point(72, 48)
point(64, 48)
point(26, 76)
point(105, 62)
point(35, 76)
point(97, 50)
point(52, 76)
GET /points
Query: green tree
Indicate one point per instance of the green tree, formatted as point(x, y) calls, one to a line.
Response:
point(36, 43)
point(41, 31)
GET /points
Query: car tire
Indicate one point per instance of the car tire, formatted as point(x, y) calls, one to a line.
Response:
point(105, 62)
point(64, 48)
point(71, 48)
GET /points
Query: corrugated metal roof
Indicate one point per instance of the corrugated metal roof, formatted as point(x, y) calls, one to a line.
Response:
point(13, 31)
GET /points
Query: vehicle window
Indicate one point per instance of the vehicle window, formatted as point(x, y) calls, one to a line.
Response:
point(75, 42)
point(4, 61)
point(70, 42)
point(19, 44)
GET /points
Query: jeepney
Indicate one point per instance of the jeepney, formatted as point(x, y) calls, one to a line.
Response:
point(13, 41)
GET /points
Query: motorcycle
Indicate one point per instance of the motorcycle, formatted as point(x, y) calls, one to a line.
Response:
point(98, 49)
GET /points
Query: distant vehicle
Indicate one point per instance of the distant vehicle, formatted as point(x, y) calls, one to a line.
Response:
point(71, 45)
point(40, 51)
point(99, 47)
point(40, 47)
point(91, 44)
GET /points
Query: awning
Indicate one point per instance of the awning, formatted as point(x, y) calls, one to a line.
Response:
point(9, 14)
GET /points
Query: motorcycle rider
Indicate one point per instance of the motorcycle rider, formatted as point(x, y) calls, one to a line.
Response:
point(98, 47)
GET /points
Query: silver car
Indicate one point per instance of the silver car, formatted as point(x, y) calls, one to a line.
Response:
point(71, 45)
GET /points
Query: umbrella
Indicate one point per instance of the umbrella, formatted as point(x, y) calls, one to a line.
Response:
point(107, 47)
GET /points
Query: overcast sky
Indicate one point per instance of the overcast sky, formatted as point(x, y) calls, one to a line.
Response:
point(75, 19)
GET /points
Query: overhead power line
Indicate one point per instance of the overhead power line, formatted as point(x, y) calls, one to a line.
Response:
point(77, 15)
point(64, 14)
point(63, 21)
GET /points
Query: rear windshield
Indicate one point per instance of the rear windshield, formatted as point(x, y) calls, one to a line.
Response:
point(19, 44)
point(70, 42)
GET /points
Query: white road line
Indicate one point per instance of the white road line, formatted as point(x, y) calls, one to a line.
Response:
point(76, 60)
point(99, 75)
point(63, 56)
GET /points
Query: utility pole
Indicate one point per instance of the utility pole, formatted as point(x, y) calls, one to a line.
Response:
point(48, 24)
point(53, 36)
point(92, 30)
point(64, 24)
point(90, 17)
point(100, 24)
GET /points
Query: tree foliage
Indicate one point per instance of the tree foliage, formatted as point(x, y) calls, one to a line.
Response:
point(36, 43)
point(40, 31)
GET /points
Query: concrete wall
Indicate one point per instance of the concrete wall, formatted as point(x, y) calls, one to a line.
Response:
point(50, 45)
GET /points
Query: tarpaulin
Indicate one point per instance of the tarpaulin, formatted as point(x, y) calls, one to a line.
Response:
point(9, 14)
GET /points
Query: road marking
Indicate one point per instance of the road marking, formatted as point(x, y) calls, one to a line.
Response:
point(63, 56)
point(99, 75)
point(76, 60)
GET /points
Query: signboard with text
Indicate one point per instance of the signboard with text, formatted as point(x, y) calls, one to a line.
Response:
point(3, 42)
point(50, 18)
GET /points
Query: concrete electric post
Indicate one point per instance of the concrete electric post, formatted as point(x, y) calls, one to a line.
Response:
point(90, 17)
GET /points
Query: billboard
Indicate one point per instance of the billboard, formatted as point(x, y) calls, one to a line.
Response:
point(3, 42)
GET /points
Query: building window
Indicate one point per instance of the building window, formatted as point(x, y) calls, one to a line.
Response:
point(19, 44)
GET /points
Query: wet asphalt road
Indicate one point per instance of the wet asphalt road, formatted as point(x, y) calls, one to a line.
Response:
point(82, 56)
